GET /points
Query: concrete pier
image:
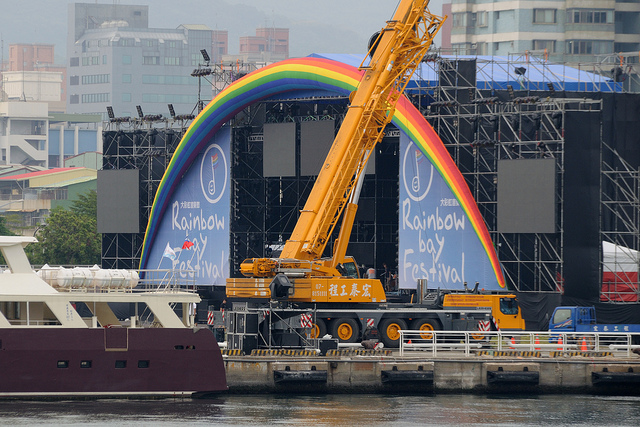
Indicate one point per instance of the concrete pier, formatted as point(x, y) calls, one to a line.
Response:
point(478, 374)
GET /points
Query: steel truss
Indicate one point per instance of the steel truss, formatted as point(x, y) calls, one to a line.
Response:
point(481, 127)
point(146, 146)
point(620, 224)
point(264, 210)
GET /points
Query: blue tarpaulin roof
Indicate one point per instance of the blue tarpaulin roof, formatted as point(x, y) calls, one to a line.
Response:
point(496, 73)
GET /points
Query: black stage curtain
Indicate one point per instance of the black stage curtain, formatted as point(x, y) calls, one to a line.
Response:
point(582, 205)
point(536, 308)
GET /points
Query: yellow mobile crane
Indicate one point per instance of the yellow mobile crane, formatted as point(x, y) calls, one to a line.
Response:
point(300, 273)
point(276, 290)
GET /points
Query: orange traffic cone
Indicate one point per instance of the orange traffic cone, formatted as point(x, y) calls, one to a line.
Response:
point(409, 342)
point(583, 347)
point(513, 343)
point(560, 344)
point(537, 342)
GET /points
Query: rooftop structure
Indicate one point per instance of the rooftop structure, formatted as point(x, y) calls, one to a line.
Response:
point(568, 31)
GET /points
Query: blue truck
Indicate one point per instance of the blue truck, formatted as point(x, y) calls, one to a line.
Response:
point(583, 319)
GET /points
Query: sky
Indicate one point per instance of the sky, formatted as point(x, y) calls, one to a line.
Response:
point(315, 26)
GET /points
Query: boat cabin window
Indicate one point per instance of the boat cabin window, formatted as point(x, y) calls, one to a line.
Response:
point(143, 363)
point(85, 364)
point(121, 364)
point(63, 363)
point(31, 313)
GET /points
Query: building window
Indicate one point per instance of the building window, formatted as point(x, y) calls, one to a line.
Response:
point(143, 363)
point(544, 16)
point(92, 98)
point(172, 43)
point(482, 19)
point(92, 79)
point(549, 45)
point(482, 48)
point(459, 20)
point(121, 364)
point(586, 16)
point(126, 59)
point(74, 62)
point(126, 78)
point(169, 60)
point(126, 97)
point(588, 47)
point(74, 80)
point(104, 59)
point(150, 60)
point(74, 99)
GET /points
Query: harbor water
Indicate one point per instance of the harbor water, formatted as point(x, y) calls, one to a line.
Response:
point(331, 410)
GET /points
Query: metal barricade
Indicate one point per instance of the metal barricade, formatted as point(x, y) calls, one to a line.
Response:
point(466, 343)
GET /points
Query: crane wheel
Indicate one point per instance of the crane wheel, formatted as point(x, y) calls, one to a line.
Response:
point(346, 330)
point(426, 325)
point(389, 329)
point(318, 329)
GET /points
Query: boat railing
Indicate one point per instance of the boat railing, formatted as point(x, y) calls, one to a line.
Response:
point(97, 280)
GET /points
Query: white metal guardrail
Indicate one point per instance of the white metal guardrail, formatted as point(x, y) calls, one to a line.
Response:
point(448, 343)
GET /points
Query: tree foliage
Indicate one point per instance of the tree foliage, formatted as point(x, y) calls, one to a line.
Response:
point(69, 237)
point(4, 231)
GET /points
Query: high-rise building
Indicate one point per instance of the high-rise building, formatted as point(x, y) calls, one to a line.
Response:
point(269, 44)
point(569, 31)
point(116, 60)
point(219, 45)
point(32, 75)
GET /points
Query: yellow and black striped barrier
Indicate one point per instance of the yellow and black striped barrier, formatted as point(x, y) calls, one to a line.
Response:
point(232, 352)
point(358, 352)
point(560, 353)
point(283, 352)
point(508, 353)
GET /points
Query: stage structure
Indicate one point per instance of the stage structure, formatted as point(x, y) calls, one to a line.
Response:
point(553, 171)
point(136, 155)
point(277, 152)
point(547, 157)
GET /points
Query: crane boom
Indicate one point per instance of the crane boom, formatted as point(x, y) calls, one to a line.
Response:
point(396, 53)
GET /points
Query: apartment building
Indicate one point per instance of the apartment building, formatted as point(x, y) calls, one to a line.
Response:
point(573, 31)
point(115, 59)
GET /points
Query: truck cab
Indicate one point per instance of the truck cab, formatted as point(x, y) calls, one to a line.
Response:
point(504, 307)
point(571, 319)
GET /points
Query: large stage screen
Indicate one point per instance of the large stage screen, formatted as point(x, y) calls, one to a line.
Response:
point(316, 138)
point(527, 196)
point(279, 156)
point(118, 201)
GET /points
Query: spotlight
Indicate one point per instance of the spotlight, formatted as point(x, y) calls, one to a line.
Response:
point(140, 114)
point(520, 71)
point(552, 89)
point(172, 111)
point(510, 89)
point(205, 55)
point(110, 112)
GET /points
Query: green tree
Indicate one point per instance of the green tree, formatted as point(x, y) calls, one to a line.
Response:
point(69, 237)
point(4, 231)
point(87, 204)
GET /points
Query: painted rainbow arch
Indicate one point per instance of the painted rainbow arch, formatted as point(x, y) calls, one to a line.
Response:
point(315, 74)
